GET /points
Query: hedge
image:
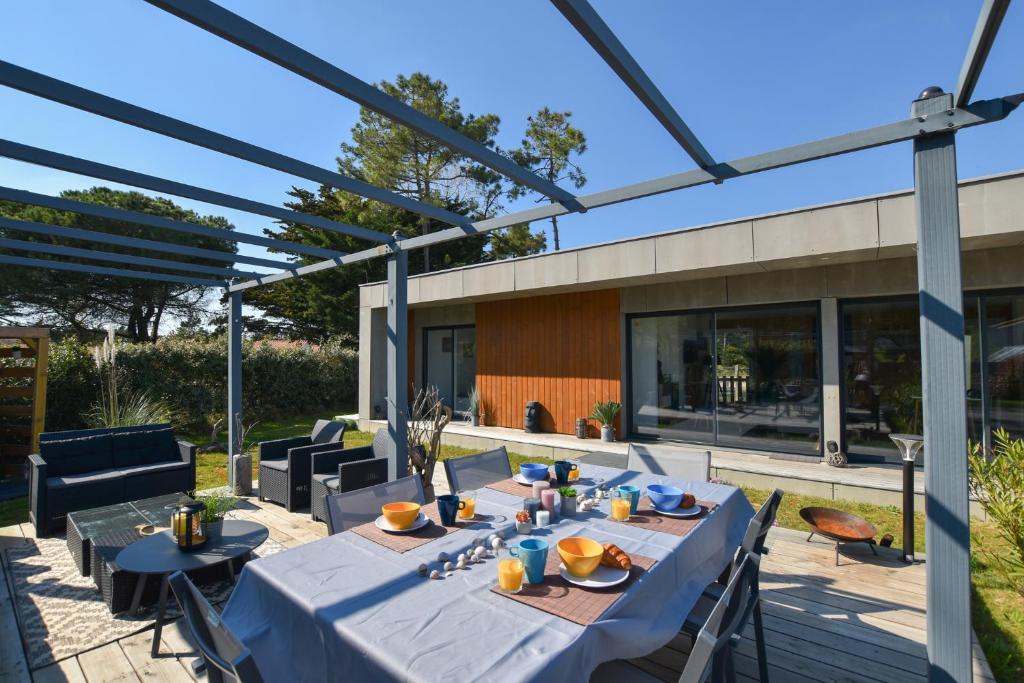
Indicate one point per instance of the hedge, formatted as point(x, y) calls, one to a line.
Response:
point(190, 376)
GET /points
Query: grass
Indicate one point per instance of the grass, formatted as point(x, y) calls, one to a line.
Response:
point(998, 610)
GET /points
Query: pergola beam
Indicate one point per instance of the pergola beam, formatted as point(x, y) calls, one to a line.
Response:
point(94, 169)
point(137, 243)
point(908, 129)
point(134, 217)
point(247, 35)
point(989, 20)
point(595, 31)
point(102, 270)
point(127, 259)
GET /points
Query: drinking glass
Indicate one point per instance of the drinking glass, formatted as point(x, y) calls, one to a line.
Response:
point(469, 511)
point(574, 473)
point(620, 502)
point(510, 570)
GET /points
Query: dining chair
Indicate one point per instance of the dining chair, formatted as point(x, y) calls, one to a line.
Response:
point(347, 510)
point(680, 463)
point(226, 659)
point(477, 471)
point(711, 657)
point(753, 544)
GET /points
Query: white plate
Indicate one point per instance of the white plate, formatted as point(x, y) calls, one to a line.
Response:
point(680, 512)
point(603, 577)
point(520, 479)
point(420, 522)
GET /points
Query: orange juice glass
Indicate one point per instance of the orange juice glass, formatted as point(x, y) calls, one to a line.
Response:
point(510, 571)
point(620, 508)
point(469, 510)
point(574, 473)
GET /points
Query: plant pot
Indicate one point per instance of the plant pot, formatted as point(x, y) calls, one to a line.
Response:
point(242, 465)
point(607, 433)
point(474, 420)
point(568, 506)
point(524, 528)
point(215, 528)
point(428, 493)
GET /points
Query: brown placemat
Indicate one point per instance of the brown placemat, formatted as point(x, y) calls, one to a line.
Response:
point(648, 518)
point(517, 489)
point(583, 606)
point(401, 543)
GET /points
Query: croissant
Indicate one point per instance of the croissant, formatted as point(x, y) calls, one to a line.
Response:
point(688, 501)
point(615, 557)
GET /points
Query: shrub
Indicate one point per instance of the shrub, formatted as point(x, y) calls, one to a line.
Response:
point(997, 480)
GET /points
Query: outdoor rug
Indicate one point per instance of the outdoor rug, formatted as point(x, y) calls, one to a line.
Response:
point(61, 612)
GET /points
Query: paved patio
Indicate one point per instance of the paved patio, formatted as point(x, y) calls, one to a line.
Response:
point(859, 622)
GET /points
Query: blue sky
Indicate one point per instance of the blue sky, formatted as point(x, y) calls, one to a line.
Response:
point(747, 77)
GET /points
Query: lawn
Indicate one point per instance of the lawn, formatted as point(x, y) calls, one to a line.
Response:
point(998, 610)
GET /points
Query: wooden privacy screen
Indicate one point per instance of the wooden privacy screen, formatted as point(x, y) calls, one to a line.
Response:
point(24, 353)
point(562, 350)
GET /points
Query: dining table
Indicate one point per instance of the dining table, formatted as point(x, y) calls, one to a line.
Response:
point(347, 608)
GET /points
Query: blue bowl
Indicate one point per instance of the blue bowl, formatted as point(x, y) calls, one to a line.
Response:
point(533, 472)
point(664, 497)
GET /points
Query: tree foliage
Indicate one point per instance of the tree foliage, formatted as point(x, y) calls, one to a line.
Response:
point(81, 302)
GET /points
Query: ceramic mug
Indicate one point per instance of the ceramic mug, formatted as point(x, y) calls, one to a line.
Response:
point(562, 469)
point(448, 507)
point(533, 552)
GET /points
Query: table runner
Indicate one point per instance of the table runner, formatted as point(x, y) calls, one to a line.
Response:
point(648, 518)
point(583, 606)
point(402, 543)
point(514, 487)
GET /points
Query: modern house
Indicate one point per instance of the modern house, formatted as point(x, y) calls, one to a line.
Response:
point(779, 332)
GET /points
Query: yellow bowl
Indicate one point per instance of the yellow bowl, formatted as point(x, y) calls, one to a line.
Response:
point(400, 515)
point(580, 555)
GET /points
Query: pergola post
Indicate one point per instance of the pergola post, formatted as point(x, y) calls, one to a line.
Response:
point(234, 380)
point(943, 380)
point(398, 359)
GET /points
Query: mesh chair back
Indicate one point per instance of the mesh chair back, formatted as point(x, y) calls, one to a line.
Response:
point(346, 510)
point(327, 431)
point(226, 658)
point(711, 648)
point(477, 471)
point(678, 463)
point(360, 474)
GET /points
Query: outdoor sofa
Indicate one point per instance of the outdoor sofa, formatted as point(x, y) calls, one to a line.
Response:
point(286, 465)
point(79, 470)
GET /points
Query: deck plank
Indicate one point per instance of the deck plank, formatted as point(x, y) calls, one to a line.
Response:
point(107, 664)
point(65, 671)
point(13, 666)
point(164, 668)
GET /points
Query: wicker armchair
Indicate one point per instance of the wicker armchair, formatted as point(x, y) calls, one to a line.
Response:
point(347, 470)
point(286, 464)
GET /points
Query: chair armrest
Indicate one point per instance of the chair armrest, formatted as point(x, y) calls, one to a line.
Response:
point(328, 461)
point(278, 448)
point(37, 492)
point(300, 461)
point(187, 451)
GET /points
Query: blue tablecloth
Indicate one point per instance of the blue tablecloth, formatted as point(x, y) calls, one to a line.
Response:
point(345, 608)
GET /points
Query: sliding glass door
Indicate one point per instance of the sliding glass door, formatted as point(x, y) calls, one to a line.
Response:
point(741, 377)
point(449, 363)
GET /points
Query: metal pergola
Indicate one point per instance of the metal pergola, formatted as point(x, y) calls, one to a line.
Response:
point(935, 118)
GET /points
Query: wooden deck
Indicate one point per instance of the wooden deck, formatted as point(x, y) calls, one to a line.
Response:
point(862, 621)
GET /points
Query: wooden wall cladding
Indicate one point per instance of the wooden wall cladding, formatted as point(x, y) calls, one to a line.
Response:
point(562, 350)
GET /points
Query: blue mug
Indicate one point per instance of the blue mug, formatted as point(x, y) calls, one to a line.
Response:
point(533, 552)
point(448, 507)
point(634, 496)
point(562, 470)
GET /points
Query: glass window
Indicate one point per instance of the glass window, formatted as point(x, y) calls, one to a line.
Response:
point(1004, 354)
point(673, 377)
point(451, 364)
point(769, 385)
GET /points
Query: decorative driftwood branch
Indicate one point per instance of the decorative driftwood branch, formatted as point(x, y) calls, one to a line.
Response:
point(428, 418)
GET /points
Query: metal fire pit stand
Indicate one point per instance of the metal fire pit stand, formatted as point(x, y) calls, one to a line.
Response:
point(908, 445)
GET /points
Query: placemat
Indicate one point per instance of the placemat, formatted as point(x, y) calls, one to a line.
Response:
point(401, 543)
point(517, 489)
point(583, 606)
point(647, 518)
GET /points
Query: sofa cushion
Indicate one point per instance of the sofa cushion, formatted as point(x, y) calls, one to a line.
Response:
point(86, 478)
point(83, 492)
point(152, 468)
point(75, 456)
point(280, 465)
point(144, 447)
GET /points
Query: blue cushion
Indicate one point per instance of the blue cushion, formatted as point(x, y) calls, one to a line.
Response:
point(75, 456)
point(144, 447)
point(152, 468)
point(71, 480)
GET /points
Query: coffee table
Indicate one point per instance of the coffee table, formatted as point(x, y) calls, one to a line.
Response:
point(159, 556)
point(84, 525)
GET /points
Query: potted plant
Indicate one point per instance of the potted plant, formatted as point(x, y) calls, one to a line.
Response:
point(605, 412)
point(475, 406)
point(216, 507)
point(428, 418)
point(568, 494)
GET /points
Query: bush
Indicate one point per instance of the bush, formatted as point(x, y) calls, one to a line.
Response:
point(997, 479)
point(190, 376)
